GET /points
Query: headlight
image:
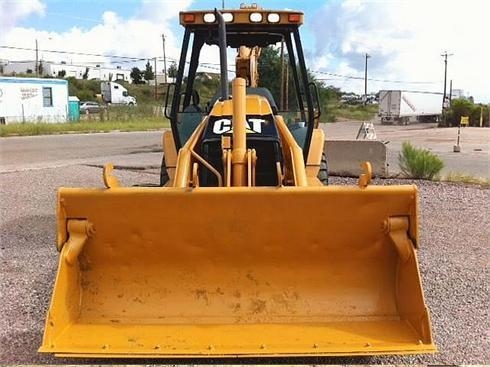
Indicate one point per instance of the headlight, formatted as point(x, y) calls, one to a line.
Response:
point(273, 18)
point(256, 17)
point(228, 17)
point(209, 18)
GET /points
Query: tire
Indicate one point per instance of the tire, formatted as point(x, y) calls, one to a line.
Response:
point(163, 172)
point(323, 172)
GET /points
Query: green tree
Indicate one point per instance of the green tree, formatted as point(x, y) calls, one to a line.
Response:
point(329, 92)
point(85, 75)
point(136, 75)
point(466, 107)
point(483, 111)
point(269, 68)
point(61, 73)
point(172, 70)
point(148, 73)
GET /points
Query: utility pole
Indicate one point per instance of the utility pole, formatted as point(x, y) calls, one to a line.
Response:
point(365, 79)
point(37, 61)
point(222, 4)
point(155, 79)
point(445, 55)
point(164, 60)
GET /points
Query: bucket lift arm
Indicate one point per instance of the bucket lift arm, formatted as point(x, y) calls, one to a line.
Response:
point(247, 65)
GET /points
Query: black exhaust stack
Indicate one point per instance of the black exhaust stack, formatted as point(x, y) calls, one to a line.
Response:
point(222, 55)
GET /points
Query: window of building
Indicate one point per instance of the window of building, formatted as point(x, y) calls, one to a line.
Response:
point(47, 97)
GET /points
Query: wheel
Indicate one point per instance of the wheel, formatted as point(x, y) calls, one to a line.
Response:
point(163, 172)
point(323, 172)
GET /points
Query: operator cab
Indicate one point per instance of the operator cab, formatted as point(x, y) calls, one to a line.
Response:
point(249, 30)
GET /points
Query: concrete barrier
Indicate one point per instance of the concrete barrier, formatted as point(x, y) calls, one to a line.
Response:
point(344, 157)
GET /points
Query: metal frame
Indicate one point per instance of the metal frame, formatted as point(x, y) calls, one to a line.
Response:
point(261, 36)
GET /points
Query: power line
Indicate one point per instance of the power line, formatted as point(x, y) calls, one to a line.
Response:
point(124, 59)
point(76, 53)
point(92, 20)
point(371, 79)
point(212, 66)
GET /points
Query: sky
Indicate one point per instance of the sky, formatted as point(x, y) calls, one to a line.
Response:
point(403, 38)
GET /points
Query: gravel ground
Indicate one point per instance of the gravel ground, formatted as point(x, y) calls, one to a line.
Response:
point(453, 261)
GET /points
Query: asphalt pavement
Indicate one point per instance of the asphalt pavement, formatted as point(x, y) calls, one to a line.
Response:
point(474, 142)
point(134, 149)
point(142, 150)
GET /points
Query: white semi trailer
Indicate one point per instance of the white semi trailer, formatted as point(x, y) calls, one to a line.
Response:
point(115, 93)
point(400, 106)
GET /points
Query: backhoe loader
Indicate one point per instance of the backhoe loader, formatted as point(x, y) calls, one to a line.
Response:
point(242, 250)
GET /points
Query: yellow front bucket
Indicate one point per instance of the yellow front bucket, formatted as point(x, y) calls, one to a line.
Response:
point(207, 272)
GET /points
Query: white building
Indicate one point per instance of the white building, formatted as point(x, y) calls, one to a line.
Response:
point(62, 69)
point(19, 67)
point(33, 100)
point(109, 74)
point(457, 93)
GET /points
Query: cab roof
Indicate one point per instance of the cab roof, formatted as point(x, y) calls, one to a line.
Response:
point(244, 27)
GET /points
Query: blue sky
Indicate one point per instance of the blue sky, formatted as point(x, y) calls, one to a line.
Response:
point(405, 38)
point(85, 13)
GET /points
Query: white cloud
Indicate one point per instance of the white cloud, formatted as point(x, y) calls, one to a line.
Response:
point(12, 11)
point(110, 18)
point(139, 36)
point(162, 10)
point(405, 40)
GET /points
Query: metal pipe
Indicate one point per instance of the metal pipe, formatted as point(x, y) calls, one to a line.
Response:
point(292, 64)
point(178, 83)
point(309, 101)
point(191, 74)
point(281, 99)
point(222, 55)
point(239, 151)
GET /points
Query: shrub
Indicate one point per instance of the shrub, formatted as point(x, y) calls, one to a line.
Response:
point(419, 163)
point(464, 107)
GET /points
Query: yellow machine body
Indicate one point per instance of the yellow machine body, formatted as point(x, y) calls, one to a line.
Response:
point(238, 270)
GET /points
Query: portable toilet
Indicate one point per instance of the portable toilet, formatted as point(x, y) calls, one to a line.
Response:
point(73, 108)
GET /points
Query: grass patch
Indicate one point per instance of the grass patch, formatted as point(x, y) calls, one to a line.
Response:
point(466, 179)
point(419, 163)
point(142, 124)
point(350, 112)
